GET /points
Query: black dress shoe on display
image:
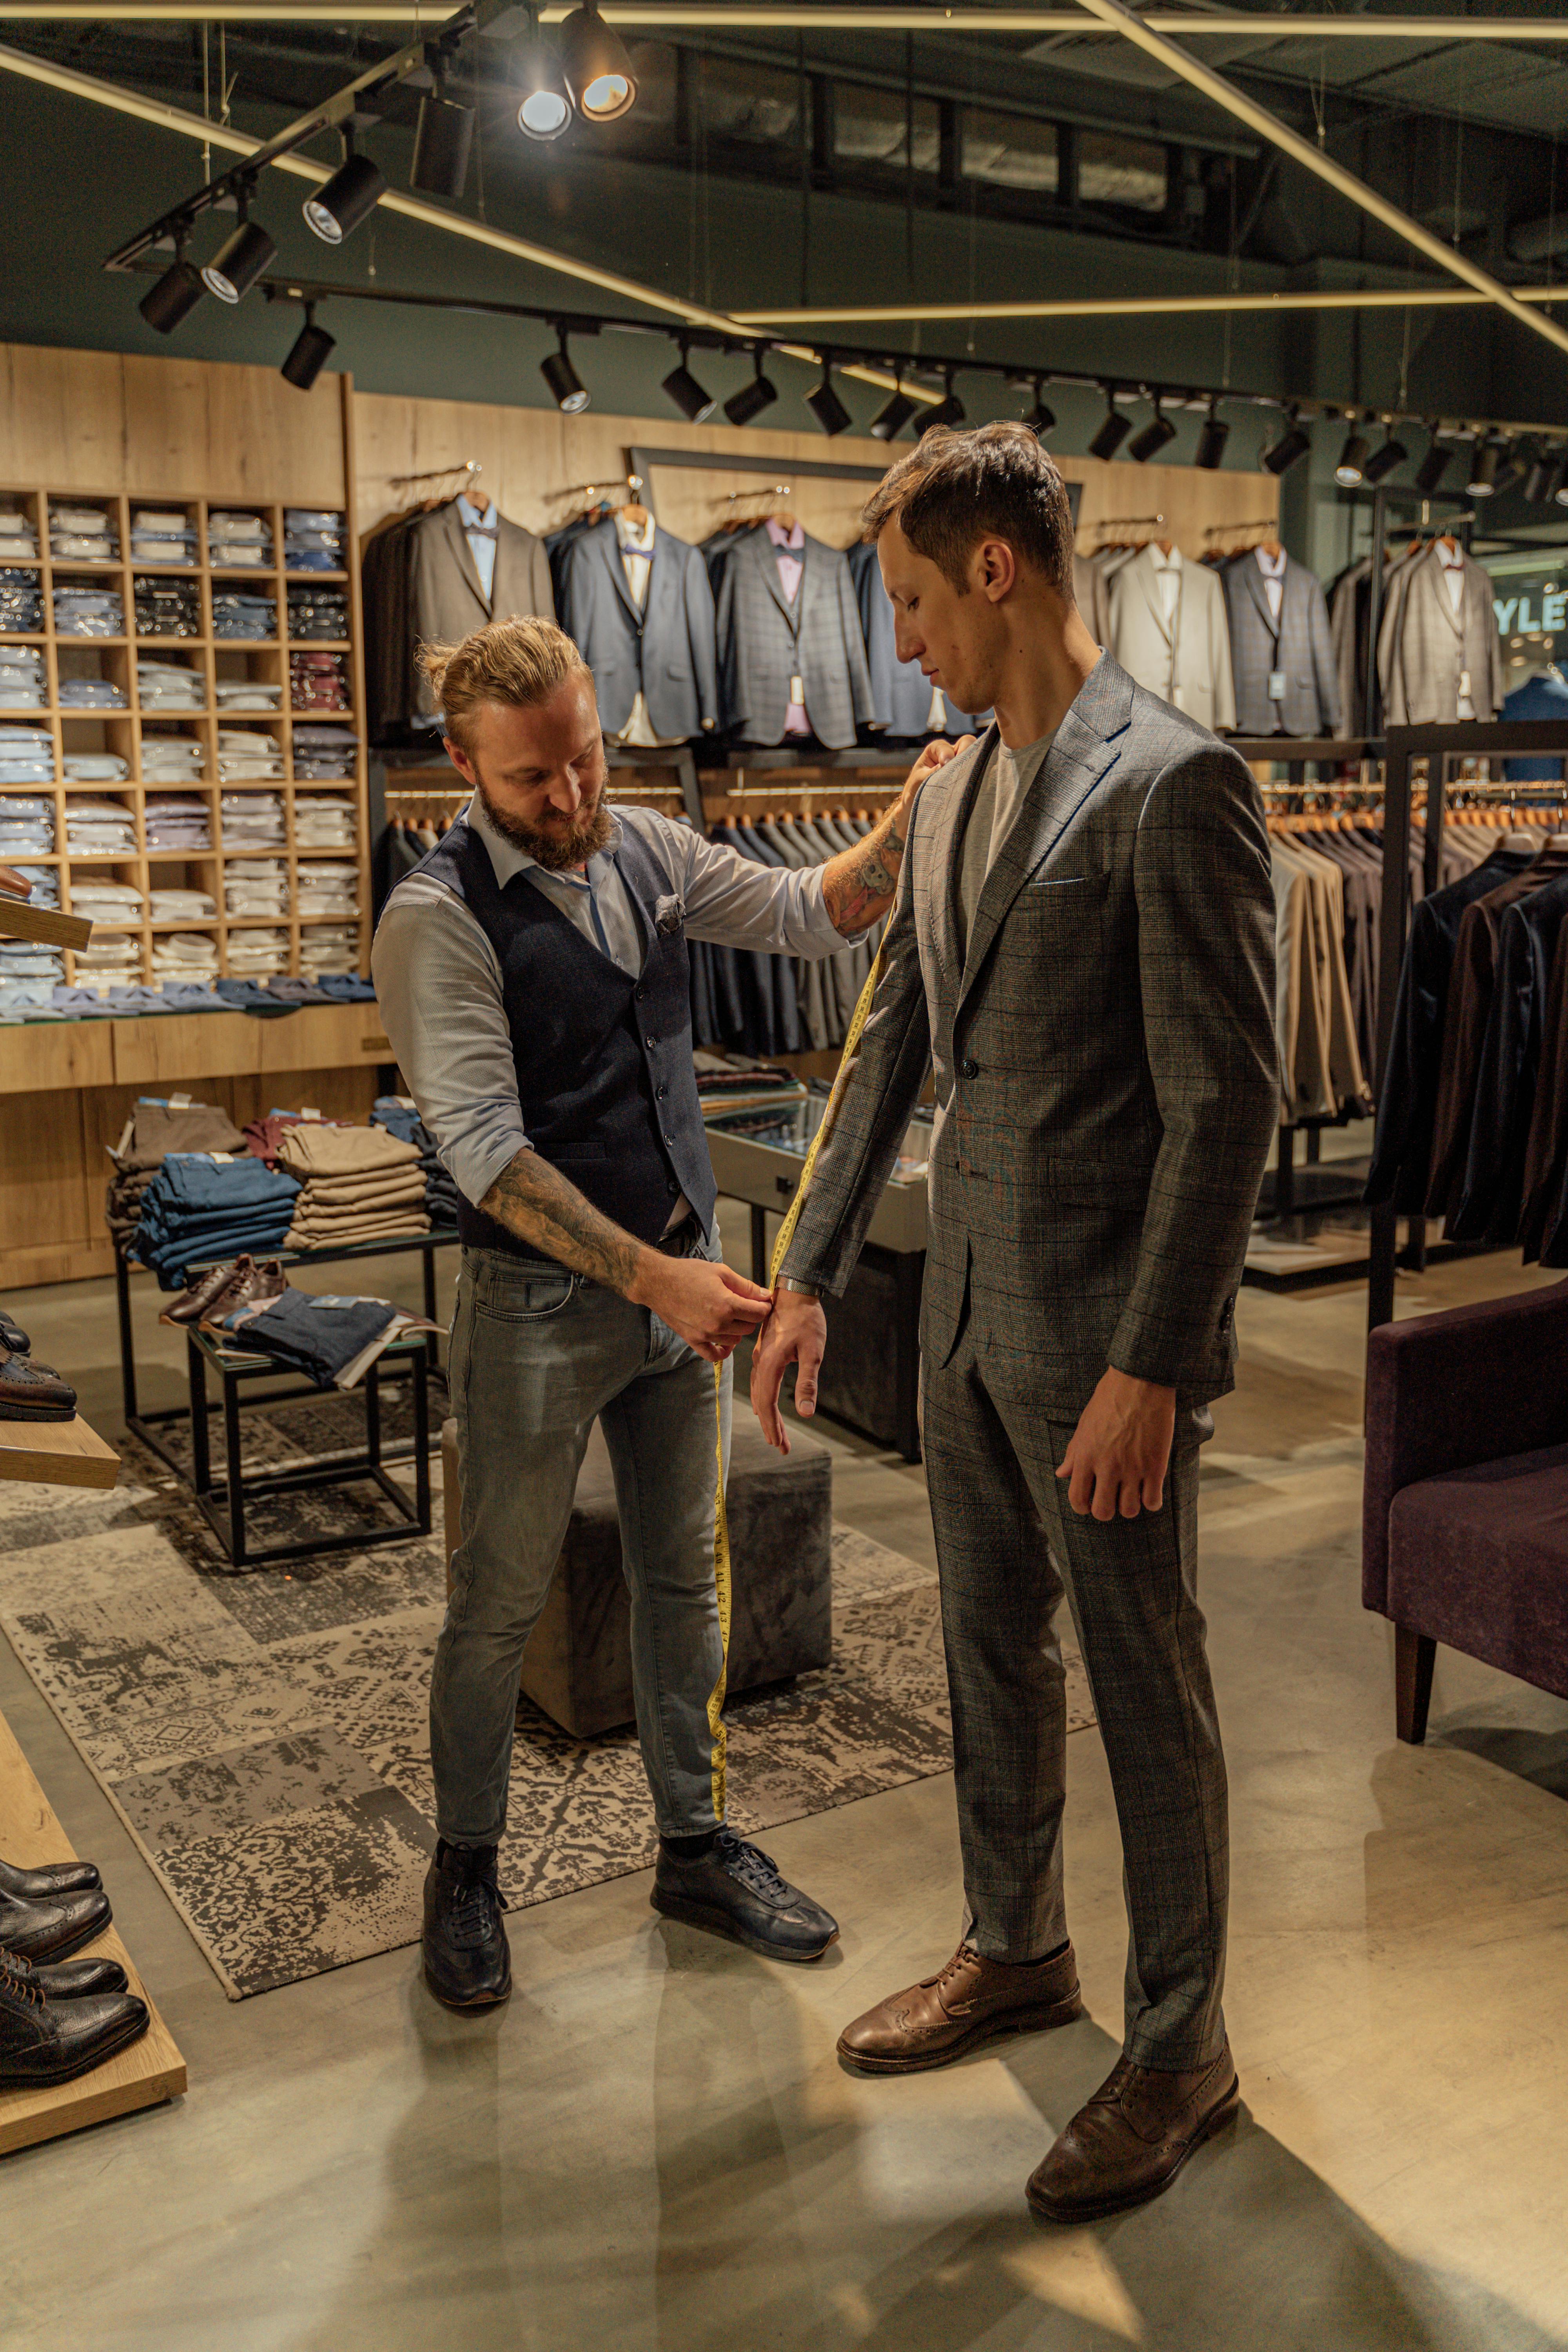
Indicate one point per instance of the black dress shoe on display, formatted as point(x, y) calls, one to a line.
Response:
point(30, 1391)
point(68, 1979)
point(44, 2042)
point(738, 1891)
point(12, 1335)
point(51, 1878)
point(468, 1961)
point(55, 1928)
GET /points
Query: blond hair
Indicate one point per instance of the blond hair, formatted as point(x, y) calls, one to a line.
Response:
point(518, 662)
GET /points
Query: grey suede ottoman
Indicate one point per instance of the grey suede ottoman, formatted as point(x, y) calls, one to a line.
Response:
point(577, 1665)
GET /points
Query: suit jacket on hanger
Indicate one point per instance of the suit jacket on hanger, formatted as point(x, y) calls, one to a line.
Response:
point(1299, 645)
point(445, 599)
point(1187, 667)
point(1424, 647)
point(763, 641)
point(666, 650)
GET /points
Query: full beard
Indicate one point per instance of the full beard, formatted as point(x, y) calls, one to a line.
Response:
point(561, 847)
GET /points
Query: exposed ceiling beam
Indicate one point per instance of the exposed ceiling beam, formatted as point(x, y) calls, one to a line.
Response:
point(827, 18)
point(1112, 14)
point(1152, 306)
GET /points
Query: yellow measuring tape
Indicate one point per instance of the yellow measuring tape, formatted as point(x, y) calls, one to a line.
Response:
point(721, 1583)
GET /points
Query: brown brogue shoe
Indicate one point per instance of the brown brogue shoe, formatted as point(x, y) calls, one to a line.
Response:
point(971, 2001)
point(1133, 2139)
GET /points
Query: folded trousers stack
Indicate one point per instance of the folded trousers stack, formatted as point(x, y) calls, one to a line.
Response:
point(399, 1116)
point(155, 1128)
point(201, 1207)
point(359, 1185)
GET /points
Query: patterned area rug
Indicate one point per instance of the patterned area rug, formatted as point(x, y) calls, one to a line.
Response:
point(264, 1737)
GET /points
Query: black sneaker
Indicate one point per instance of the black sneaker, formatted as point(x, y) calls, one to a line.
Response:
point(739, 1891)
point(468, 1961)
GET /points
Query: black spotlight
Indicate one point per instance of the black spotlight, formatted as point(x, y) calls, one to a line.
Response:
point(351, 195)
point(543, 109)
point(1212, 434)
point(949, 411)
point(1540, 481)
point(895, 414)
point(1290, 449)
point(687, 395)
point(312, 349)
point(174, 298)
point(1112, 431)
point(442, 140)
point(1155, 436)
point(566, 386)
point(239, 262)
point(1485, 458)
point(751, 398)
point(598, 71)
point(826, 406)
point(1383, 462)
point(1559, 495)
point(1434, 466)
point(1350, 471)
point(1040, 419)
point(1511, 467)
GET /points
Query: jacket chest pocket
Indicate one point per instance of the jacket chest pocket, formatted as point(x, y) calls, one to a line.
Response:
point(1055, 915)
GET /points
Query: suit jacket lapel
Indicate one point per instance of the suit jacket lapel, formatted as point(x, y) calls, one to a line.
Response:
point(1148, 580)
point(1438, 585)
point(463, 554)
point(946, 849)
point(767, 560)
point(1259, 595)
point(610, 546)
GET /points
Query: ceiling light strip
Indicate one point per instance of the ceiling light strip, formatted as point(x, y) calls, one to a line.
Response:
point(1150, 306)
point(827, 18)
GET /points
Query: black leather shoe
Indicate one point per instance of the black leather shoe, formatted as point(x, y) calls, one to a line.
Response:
point(54, 1928)
point(12, 1335)
point(54, 1878)
point(44, 2042)
point(468, 1961)
point(69, 1979)
point(738, 1891)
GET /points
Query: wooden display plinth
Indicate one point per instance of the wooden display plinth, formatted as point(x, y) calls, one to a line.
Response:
point(55, 1453)
point(151, 2070)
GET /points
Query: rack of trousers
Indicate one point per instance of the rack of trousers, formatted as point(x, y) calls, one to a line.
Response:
point(1472, 1028)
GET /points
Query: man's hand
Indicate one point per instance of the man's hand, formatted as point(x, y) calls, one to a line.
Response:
point(859, 888)
point(710, 1306)
point(796, 1333)
point(936, 755)
point(1121, 1449)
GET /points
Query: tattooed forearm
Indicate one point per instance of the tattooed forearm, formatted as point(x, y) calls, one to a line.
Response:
point(531, 1200)
point(858, 888)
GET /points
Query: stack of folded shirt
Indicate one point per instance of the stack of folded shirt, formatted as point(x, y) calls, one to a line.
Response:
point(323, 823)
point(166, 608)
point(190, 956)
point(18, 535)
point(327, 948)
point(400, 1116)
point(361, 1185)
point(256, 886)
point(30, 975)
point(90, 613)
point(248, 694)
point(23, 683)
point(27, 755)
point(177, 821)
point(312, 540)
point(27, 826)
point(95, 768)
point(162, 535)
point(117, 904)
point(169, 686)
point(91, 694)
point(115, 956)
point(98, 829)
point(155, 1128)
point(258, 951)
point(21, 602)
point(244, 618)
point(172, 758)
point(318, 613)
point(324, 754)
point(318, 682)
point(203, 1206)
point(43, 883)
point(171, 906)
point(83, 535)
point(252, 820)
point(327, 890)
point(239, 539)
point(245, 755)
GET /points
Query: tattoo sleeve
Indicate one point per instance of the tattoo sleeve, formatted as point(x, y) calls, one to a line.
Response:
point(858, 888)
point(535, 1201)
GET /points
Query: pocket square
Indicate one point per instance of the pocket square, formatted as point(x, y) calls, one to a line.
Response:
point(669, 914)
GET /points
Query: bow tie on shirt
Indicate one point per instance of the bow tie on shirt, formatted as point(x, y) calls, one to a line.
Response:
point(480, 530)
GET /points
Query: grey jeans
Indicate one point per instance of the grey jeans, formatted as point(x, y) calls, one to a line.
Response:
point(537, 1354)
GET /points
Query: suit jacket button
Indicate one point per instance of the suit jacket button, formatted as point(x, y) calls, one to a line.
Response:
point(660, 1092)
point(970, 1069)
point(650, 1043)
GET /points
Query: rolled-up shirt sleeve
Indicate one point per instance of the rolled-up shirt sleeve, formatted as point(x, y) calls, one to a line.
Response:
point(438, 986)
point(738, 904)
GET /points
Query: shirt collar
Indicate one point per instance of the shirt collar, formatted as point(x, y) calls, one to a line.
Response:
point(794, 540)
point(1452, 559)
point(636, 537)
point(471, 519)
point(507, 858)
point(1163, 563)
point(1272, 566)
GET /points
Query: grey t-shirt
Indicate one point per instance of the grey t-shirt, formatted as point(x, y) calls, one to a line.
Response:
point(1008, 776)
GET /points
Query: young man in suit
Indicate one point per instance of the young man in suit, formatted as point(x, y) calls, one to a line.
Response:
point(1082, 951)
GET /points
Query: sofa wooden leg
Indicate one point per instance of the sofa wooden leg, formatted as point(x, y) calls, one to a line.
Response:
point(1415, 1655)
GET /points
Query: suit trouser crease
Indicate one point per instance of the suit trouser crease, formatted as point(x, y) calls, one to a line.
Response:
point(991, 1464)
point(533, 1363)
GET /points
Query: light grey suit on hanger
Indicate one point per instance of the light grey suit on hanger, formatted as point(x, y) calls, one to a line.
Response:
point(1300, 646)
point(1185, 662)
point(447, 602)
point(1105, 1072)
point(1424, 647)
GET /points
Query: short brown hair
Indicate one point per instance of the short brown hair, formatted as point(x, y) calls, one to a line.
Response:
point(519, 661)
point(957, 487)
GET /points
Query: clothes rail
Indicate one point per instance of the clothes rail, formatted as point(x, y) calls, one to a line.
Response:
point(471, 466)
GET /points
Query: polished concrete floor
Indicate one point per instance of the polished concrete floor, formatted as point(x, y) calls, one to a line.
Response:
point(653, 2148)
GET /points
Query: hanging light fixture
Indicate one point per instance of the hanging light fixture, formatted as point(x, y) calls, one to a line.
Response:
point(442, 140)
point(241, 258)
point(1156, 435)
point(949, 411)
point(1434, 464)
point(1511, 466)
point(1540, 481)
point(693, 401)
point(894, 415)
point(1352, 468)
point(1485, 457)
point(824, 403)
point(1039, 419)
point(174, 296)
point(308, 353)
point(595, 66)
point(1290, 448)
point(1383, 461)
point(543, 108)
point(753, 397)
point(566, 386)
point(1212, 434)
point(350, 196)
point(1113, 430)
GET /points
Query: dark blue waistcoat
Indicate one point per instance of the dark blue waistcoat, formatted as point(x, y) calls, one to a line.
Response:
point(604, 1072)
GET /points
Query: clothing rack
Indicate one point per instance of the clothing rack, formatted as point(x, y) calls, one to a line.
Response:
point(1123, 522)
point(468, 466)
point(1225, 529)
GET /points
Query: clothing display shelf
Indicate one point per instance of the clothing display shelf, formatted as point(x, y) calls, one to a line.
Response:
point(1436, 747)
point(215, 659)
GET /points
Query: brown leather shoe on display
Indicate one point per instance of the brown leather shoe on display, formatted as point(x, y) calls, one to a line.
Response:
point(970, 2001)
point(1133, 2139)
point(30, 1391)
point(252, 1284)
point(194, 1302)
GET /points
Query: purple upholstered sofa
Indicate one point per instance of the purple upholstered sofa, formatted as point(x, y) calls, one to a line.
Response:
point(1465, 1518)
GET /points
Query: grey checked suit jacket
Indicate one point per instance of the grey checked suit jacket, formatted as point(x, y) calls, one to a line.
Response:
point(1303, 649)
point(668, 649)
point(1106, 1054)
point(447, 599)
point(757, 653)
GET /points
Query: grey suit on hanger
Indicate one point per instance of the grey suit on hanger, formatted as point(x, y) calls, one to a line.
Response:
point(759, 649)
point(667, 649)
point(1104, 1059)
point(1424, 647)
point(447, 601)
point(1302, 648)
